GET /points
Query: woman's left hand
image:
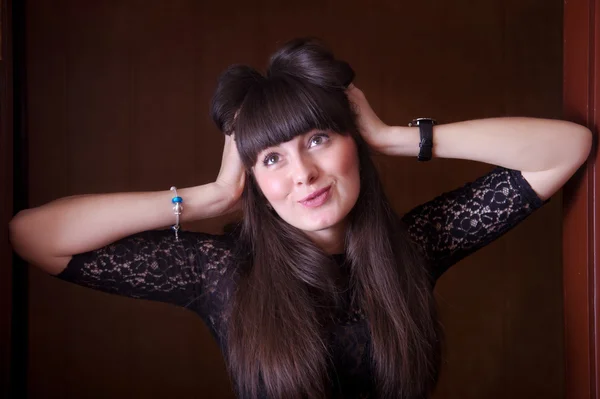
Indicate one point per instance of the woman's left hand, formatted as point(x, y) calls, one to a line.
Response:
point(371, 127)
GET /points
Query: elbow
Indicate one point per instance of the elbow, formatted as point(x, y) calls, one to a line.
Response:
point(585, 144)
point(577, 145)
point(14, 228)
point(16, 233)
point(23, 233)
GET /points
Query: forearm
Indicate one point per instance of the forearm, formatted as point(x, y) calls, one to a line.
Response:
point(73, 225)
point(525, 144)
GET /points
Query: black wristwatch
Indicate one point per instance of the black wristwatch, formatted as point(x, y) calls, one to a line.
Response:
point(426, 131)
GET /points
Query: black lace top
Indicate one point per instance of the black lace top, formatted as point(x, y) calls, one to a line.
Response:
point(197, 272)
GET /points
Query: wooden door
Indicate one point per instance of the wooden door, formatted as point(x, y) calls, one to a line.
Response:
point(581, 230)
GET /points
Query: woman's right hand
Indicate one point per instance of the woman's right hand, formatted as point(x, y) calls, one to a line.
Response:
point(231, 175)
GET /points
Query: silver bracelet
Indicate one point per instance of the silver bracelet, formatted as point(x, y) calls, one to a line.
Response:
point(177, 202)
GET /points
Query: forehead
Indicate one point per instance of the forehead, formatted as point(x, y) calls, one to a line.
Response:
point(295, 139)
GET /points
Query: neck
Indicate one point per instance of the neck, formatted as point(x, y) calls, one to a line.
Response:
point(331, 240)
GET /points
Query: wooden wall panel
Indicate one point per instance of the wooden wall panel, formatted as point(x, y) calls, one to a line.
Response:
point(6, 194)
point(118, 100)
point(580, 225)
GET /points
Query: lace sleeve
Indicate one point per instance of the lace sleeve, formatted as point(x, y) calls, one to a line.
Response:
point(458, 223)
point(191, 272)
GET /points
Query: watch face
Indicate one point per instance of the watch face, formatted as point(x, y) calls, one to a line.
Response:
point(416, 122)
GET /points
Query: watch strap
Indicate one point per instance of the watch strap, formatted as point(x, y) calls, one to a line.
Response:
point(426, 141)
point(426, 137)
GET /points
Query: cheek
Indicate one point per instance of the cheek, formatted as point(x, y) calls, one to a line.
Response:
point(347, 167)
point(273, 188)
point(352, 175)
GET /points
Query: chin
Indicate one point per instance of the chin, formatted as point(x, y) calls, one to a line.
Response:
point(321, 224)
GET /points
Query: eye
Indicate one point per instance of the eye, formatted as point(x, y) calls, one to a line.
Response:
point(318, 139)
point(271, 159)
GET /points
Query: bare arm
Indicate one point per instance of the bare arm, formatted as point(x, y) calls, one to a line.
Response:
point(547, 152)
point(49, 235)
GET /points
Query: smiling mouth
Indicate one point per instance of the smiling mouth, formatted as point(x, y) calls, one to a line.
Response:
point(317, 198)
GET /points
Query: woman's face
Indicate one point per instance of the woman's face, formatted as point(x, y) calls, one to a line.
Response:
point(311, 181)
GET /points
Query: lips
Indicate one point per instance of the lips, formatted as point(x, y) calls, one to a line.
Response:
point(316, 198)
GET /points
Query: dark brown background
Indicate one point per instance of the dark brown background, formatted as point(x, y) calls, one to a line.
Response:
point(117, 99)
point(6, 191)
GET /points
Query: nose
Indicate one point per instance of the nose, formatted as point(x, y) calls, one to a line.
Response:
point(305, 171)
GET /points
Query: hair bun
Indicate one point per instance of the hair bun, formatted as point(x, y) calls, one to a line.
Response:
point(232, 87)
point(309, 59)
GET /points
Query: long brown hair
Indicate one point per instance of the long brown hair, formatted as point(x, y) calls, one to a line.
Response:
point(287, 288)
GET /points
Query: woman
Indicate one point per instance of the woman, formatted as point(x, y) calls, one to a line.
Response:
point(322, 291)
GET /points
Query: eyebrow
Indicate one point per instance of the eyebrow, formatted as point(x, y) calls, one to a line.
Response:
point(302, 135)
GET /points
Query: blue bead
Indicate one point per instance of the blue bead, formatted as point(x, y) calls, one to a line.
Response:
point(176, 200)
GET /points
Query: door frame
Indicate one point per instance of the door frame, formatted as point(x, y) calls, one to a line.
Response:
point(581, 207)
